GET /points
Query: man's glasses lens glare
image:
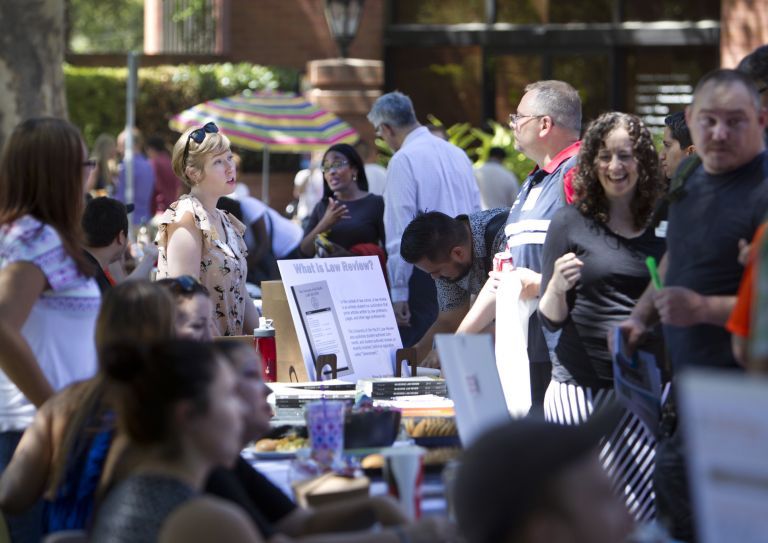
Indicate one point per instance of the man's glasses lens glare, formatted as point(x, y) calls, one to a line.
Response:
point(515, 118)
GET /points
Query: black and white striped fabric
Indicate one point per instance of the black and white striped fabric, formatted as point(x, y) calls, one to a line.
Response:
point(627, 454)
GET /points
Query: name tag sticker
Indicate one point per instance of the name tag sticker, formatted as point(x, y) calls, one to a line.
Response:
point(661, 230)
point(532, 197)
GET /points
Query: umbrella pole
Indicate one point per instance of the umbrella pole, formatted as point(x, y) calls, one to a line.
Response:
point(265, 176)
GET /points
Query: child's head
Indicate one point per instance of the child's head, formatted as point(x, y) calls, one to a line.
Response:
point(194, 308)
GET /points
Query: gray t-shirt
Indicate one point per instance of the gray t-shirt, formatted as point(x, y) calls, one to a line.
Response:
point(705, 226)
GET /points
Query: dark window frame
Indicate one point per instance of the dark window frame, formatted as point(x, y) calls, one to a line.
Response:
point(548, 40)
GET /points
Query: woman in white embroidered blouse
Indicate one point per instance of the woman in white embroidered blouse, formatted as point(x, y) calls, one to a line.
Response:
point(48, 301)
point(195, 238)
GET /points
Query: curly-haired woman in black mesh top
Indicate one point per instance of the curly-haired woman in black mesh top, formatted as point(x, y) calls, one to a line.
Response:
point(593, 272)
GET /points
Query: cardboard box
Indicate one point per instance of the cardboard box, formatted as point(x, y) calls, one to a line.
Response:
point(330, 488)
point(274, 305)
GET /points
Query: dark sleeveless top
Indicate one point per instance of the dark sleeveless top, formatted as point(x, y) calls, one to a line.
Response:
point(136, 509)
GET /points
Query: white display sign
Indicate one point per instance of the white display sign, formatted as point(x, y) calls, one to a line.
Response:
point(726, 436)
point(473, 383)
point(512, 316)
point(341, 306)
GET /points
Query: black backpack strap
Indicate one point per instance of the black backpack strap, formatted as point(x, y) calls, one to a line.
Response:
point(684, 171)
point(492, 229)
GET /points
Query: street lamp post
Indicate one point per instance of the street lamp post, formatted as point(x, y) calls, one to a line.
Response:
point(343, 17)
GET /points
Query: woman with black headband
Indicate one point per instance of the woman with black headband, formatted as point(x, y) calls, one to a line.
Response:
point(195, 238)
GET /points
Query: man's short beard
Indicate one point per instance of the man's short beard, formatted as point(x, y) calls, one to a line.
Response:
point(461, 276)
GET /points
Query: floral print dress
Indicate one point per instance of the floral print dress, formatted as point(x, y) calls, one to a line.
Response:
point(222, 267)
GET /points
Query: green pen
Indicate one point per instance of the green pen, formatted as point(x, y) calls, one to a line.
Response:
point(650, 263)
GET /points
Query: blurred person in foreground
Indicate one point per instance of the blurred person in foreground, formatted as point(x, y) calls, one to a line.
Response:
point(48, 299)
point(72, 452)
point(529, 481)
point(273, 512)
point(177, 401)
point(726, 199)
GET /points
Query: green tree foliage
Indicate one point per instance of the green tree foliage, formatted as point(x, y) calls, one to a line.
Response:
point(96, 96)
point(104, 26)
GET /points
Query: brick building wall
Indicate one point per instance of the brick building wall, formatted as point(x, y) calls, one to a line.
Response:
point(744, 26)
point(292, 32)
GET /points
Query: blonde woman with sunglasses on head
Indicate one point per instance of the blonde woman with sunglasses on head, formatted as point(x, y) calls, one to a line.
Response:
point(195, 238)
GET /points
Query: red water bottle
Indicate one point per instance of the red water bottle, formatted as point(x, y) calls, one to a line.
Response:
point(264, 339)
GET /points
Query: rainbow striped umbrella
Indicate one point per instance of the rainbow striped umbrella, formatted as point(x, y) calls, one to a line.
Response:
point(272, 122)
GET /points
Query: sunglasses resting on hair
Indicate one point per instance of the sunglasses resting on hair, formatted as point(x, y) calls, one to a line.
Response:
point(198, 136)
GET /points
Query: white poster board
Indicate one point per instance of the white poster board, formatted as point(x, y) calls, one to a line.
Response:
point(341, 306)
point(512, 316)
point(473, 383)
point(723, 416)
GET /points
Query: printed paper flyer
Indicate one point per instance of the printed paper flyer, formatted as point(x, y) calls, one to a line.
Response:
point(341, 306)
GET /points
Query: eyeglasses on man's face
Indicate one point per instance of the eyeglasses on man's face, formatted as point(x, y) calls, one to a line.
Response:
point(198, 136)
point(334, 166)
point(514, 118)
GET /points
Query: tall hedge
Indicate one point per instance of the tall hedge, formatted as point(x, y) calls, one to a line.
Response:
point(96, 96)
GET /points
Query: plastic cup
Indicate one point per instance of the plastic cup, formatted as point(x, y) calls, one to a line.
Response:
point(325, 424)
point(404, 475)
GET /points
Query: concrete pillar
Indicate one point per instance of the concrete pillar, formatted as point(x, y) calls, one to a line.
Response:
point(154, 30)
point(223, 10)
point(153, 27)
point(347, 87)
